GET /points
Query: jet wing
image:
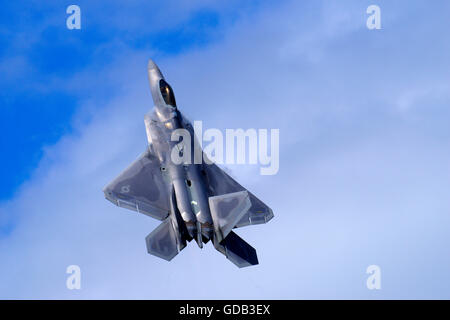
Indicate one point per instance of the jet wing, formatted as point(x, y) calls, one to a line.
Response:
point(221, 183)
point(141, 188)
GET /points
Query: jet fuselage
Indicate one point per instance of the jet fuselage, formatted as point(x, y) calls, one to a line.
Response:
point(185, 180)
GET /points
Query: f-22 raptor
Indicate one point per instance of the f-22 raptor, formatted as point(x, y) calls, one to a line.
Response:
point(193, 200)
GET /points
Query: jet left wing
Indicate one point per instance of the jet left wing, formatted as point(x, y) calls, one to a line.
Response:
point(221, 183)
point(141, 188)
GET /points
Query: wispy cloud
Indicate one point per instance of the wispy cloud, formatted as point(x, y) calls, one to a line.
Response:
point(360, 183)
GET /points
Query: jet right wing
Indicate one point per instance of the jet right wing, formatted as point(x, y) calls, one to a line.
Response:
point(221, 183)
point(141, 188)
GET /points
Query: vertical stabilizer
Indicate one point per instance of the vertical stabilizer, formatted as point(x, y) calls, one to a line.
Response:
point(237, 250)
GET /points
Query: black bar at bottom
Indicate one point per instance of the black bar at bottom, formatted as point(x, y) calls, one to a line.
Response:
point(223, 309)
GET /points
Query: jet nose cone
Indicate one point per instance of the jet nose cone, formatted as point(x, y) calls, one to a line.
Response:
point(154, 74)
point(151, 65)
point(153, 70)
point(154, 77)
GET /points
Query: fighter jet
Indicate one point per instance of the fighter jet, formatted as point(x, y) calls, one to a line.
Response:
point(195, 200)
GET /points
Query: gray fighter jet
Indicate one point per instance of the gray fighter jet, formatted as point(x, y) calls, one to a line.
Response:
point(194, 200)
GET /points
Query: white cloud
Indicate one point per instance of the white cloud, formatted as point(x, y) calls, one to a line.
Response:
point(358, 184)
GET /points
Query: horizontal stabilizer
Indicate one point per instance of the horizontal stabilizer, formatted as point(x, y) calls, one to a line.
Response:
point(221, 183)
point(162, 242)
point(227, 210)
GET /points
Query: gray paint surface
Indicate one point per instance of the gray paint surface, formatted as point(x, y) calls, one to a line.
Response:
point(195, 201)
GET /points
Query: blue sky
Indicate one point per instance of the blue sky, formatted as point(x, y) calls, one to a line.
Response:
point(36, 50)
point(364, 144)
